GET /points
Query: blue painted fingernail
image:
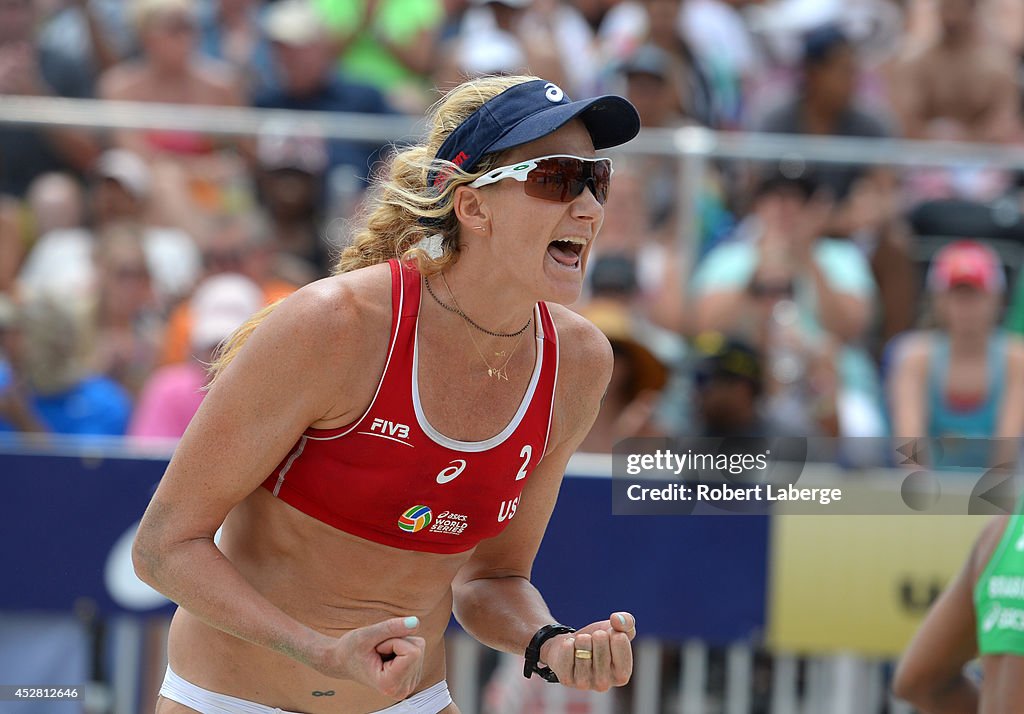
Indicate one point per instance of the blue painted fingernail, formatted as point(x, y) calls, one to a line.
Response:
point(621, 619)
point(411, 622)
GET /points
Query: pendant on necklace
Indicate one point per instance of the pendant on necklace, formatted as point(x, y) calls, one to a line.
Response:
point(498, 374)
point(500, 354)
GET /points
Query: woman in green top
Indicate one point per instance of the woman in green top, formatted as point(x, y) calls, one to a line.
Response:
point(980, 614)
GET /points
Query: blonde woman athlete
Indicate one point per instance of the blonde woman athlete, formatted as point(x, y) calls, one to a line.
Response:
point(385, 446)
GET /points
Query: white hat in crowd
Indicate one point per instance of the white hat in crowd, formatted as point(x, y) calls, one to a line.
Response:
point(128, 169)
point(292, 145)
point(143, 11)
point(490, 52)
point(220, 305)
point(293, 22)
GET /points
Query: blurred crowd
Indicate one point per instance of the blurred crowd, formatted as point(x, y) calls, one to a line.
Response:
point(817, 300)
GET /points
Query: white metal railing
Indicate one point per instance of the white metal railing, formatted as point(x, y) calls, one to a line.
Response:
point(839, 684)
point(694, 146)
point(836, 684)
point(688, 141)
point(225, 121)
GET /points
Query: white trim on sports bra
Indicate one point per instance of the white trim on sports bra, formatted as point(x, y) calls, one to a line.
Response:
point(430, 701)
point(554, 390)
point(391, 350)
point(475, 446)
point(288, 464)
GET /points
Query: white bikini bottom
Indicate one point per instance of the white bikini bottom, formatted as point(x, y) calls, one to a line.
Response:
point(430, 701)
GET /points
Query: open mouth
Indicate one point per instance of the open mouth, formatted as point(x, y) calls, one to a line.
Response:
point(567, 251)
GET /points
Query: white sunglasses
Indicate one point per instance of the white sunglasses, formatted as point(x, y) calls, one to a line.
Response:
point(559, 177)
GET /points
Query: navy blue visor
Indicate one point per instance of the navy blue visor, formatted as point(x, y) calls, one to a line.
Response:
point(527, 112)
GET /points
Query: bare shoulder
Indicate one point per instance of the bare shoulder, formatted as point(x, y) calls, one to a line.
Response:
point(913, 352)
point(912, 60)
point(355, 291)
point(1015, 351)
point(354, 300)
point(218, 78)
point(995, 61)
point(583, 349)
point(315, 356)
point(340, 315)
point(121, 81)
point(584, 368)
point(986, 544)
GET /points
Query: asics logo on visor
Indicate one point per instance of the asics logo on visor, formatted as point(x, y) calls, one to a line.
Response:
point(559, 177)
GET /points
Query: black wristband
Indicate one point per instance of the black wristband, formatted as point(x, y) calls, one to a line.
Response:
point(533, 651)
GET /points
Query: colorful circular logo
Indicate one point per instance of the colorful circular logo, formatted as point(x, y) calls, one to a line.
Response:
point(415, 519)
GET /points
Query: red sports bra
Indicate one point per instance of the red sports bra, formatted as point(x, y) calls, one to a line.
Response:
point(392, 478)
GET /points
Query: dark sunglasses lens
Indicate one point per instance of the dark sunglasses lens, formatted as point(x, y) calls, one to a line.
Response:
point(554, 179)
point(563, 179)
point(602, 180)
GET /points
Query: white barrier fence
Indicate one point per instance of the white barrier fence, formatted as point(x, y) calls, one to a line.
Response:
point(695, 147)
point(840, 684)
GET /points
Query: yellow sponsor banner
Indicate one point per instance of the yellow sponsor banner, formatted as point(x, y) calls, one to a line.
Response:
point(860, 583)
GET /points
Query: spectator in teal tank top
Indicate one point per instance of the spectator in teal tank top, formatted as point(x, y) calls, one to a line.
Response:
point(803, 300)
point(966, 378)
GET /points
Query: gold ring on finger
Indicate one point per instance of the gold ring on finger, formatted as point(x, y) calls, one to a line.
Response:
point(584, 654)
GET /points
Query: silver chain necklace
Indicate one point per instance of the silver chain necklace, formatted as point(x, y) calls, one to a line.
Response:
point(458, 311)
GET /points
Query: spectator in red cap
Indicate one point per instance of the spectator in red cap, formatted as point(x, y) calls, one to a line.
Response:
point(966, 378)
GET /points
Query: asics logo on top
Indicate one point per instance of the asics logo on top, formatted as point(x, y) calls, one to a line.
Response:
point(450, 473)
point(390, 430)
point(450, 523)
point(553, 92)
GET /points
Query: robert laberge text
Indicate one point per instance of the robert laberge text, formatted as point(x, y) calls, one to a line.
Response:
point(726, 493)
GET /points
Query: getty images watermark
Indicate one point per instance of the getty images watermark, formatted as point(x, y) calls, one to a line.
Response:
point(704, 462)
point(704, 476)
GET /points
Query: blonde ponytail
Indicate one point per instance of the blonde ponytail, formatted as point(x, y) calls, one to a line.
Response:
point(393, 222)
point(393, 225)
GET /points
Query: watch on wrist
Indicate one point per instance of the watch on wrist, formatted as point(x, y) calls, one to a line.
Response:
point(532, 664)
